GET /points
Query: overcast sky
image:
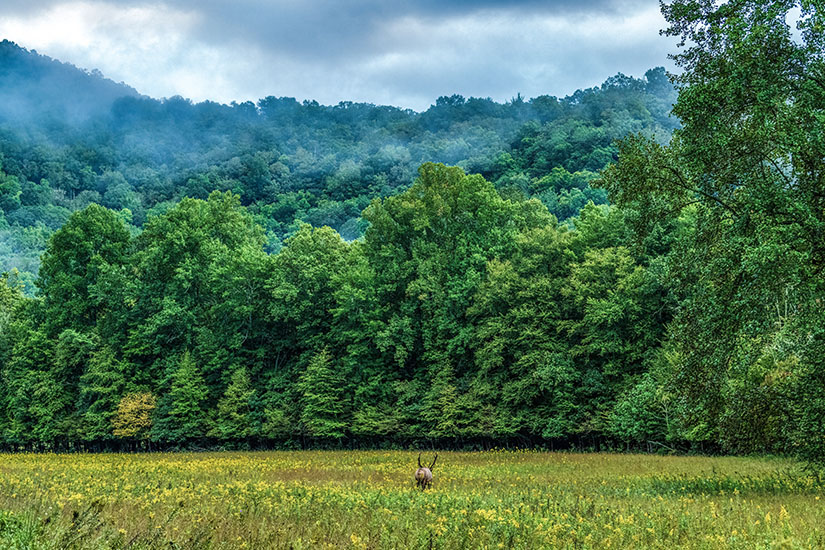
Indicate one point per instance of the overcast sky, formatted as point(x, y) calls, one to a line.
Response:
point(398, 53)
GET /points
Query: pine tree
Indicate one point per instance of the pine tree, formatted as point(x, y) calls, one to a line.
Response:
point(101, 387)
point(38, 406)
point(234, 421)
point(322, 398)
point(182, 416)
point(11, 298)
point(445, 410)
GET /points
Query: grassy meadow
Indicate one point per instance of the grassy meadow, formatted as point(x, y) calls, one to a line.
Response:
point(367, 499)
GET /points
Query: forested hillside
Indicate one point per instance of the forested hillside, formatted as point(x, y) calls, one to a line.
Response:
point(495, 301)
point(461, 315)
point(69, 139)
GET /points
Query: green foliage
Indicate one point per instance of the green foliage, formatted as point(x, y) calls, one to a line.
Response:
point(302, 288)
point(36, 403)
point(524, 376)
point(747, 274)
point(644, 413)
point(10, 192)
point(181, 414)
point(320, 388)
point(92, 241)
point(688, 313)
point(101, 386)
point(461, 314)
point(290, 162)
point(179, 293)
point(11, 297)
point(235, 419)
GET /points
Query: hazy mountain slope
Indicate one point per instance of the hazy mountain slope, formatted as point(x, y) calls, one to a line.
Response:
point(37, 88)
point(69, 138)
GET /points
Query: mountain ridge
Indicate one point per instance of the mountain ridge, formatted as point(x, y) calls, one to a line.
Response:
point(69, 138)
point(28, 78)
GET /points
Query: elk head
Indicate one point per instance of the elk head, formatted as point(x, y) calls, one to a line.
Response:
point(424, 474)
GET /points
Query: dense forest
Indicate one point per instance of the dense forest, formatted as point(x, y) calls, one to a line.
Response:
point(70, 138)
point(293, 273)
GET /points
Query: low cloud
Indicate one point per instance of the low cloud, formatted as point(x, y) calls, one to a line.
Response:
point(332, 51)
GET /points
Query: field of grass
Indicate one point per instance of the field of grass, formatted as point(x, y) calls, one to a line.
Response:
point(367, 500)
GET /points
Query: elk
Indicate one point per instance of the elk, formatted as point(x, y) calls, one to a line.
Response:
point(424, 475)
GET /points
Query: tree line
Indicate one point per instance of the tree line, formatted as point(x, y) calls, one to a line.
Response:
point(687, 314)
point(461, 315)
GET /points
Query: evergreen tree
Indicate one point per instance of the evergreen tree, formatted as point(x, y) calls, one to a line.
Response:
point(446, 412)
point(234, 419)
point(101, 387)
point(46, 405)
point(182, 416)
point(11, 299)
point(302, 295)
point(323, 411)
point(37, 404)
point(72, 353)
point(524, 376)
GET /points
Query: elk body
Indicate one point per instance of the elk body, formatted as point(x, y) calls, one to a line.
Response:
point(424, 474)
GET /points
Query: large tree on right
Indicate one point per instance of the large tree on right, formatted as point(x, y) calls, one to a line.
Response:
point(745, 355)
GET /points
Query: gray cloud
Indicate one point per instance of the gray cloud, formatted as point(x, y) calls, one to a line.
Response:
point(335, 28)
point(359, 8)
point(404, 53)
point(338, 29)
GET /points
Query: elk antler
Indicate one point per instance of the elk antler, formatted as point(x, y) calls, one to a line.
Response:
point(433, 464)
point(419, 460)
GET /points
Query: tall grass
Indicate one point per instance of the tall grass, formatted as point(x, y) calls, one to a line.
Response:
point(368, 500)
